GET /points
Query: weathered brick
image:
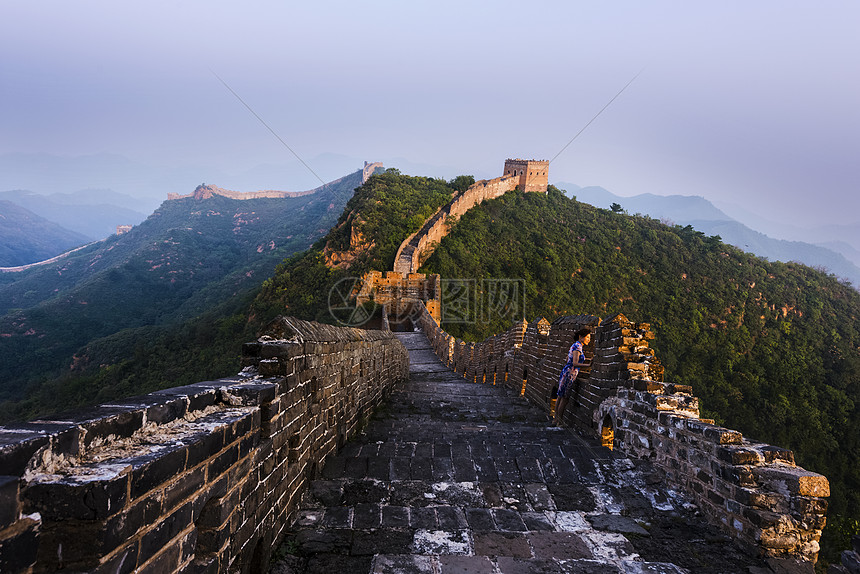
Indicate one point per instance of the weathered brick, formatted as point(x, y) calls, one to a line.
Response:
point(9, 501)
point(18, 552)
point(223, 461)
point(247, 394)
point(101, 422)
point(164, 532)
point(17, 447)
point(740, 455)
point(187, 484)
point(204, 445)
point(721, 435)
point(793, 480)
point(151, 470)
point(774, 454)
point(81, 498)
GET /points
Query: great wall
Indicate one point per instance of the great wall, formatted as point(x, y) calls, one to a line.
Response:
point(208, 477)
point(204, 191)
point(527, 175)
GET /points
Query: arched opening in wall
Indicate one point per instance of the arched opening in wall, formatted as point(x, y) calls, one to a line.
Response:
point(506, 372)
point(607, 432)
point(494, 376)
point(553, 398)
point(525, 381)
point(484, 378)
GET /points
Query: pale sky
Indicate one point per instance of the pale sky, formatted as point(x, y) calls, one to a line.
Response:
point(753, 103)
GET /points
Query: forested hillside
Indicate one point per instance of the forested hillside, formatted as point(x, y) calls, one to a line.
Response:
point(382, 214)
point(129, 295)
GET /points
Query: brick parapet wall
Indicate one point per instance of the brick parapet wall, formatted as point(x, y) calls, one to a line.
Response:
point(197, 478)
point(753, 491)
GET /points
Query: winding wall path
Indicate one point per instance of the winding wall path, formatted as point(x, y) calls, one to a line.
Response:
point(453, 476)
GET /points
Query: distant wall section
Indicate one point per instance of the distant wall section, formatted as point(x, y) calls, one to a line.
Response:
point(205, 191)
point(417, 247)
point(370, 169)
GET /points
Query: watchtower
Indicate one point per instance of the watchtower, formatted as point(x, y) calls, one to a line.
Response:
point(533, 174)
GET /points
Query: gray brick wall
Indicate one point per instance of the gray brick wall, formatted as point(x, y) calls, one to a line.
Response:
point(197, 478)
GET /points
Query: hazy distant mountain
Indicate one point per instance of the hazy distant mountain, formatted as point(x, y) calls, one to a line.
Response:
point(26, 238)
point(704, 216)
point(676, 208)
point(79, 211)
point(48, 174)
point(817, 256)
point(188, 256)
point(102, 197)
point(846, 249)
point(844, 239)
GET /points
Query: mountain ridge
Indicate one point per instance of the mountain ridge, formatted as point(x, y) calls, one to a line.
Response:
point(187, 258)
point(706, 217)
point(26, 237)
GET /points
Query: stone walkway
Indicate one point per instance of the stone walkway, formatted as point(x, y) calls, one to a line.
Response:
point(457, 477)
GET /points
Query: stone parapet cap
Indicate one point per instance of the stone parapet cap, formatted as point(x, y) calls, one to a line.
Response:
point(78, 433)
point(792, 480)
point(286, 328)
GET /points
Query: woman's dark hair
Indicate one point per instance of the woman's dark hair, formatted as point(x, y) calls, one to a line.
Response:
point(583, 332)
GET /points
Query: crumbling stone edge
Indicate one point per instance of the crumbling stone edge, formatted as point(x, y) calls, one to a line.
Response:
point(204, 477)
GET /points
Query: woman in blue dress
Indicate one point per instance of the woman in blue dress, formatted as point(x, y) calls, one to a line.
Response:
point(575, 360)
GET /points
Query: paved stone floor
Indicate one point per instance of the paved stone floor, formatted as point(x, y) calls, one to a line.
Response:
point(457, 477)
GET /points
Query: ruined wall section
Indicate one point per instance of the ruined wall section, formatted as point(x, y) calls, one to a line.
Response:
point(197, 478)
point(752, 491)
point(205, 191)
point(399, 292)
point(369, 169)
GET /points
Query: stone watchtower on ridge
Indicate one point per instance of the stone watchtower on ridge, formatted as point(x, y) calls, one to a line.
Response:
point(533, 174)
